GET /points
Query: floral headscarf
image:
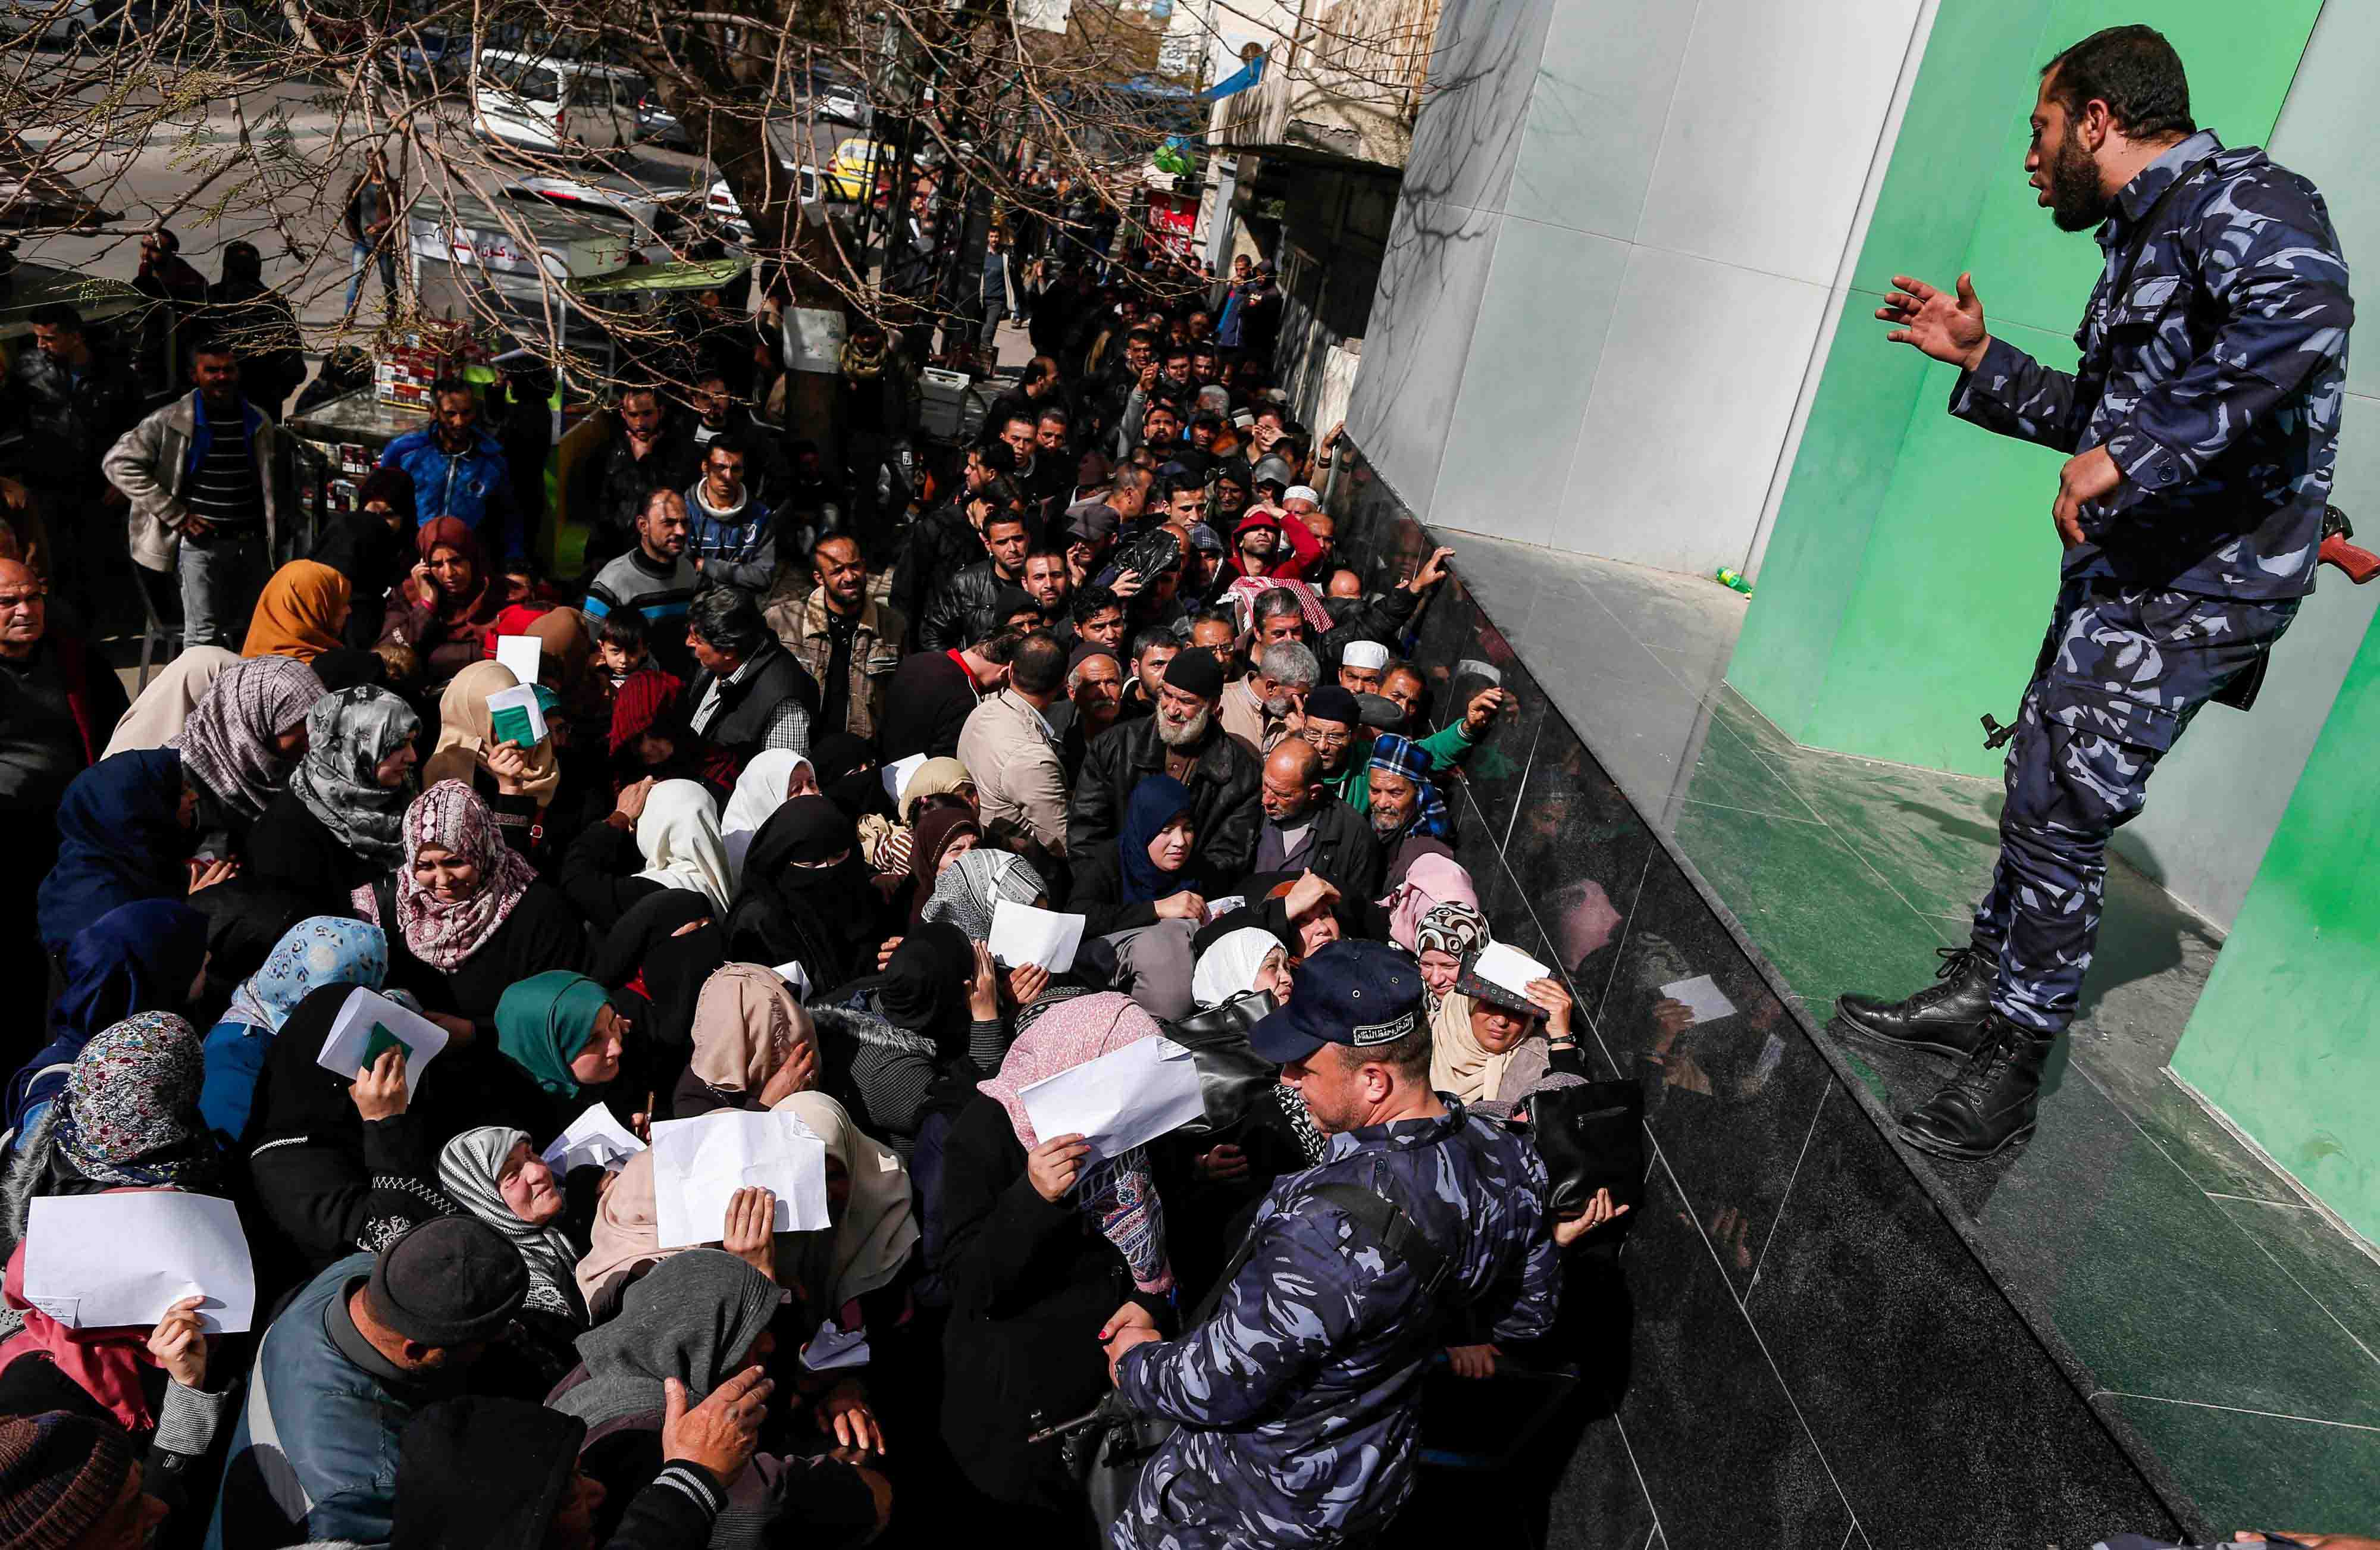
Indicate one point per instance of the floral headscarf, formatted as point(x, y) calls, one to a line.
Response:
point(324, 950)
point(969, 886)
point(228, 740)
point(347, 734)
point(451, 817)
point(1119, 1193)
point(130, 1111)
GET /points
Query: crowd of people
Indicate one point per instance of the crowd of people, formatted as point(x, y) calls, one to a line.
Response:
point(783, 754)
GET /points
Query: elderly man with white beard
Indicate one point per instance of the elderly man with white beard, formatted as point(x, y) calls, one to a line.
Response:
point(1184, 739)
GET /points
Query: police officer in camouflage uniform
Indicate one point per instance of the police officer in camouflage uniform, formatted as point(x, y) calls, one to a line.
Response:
point(2203, 415)
point(1299, 1398)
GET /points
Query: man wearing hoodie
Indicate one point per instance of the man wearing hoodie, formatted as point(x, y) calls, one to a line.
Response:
point(730, 540)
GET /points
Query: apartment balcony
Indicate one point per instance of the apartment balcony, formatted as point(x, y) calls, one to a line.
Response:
point(1345, 82)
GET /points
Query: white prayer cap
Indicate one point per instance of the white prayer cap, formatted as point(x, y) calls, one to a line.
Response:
point(1364, 654)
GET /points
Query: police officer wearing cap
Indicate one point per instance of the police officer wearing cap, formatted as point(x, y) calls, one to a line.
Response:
point(1299, 1397)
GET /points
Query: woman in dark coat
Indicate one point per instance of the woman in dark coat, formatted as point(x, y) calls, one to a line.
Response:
point(1037, 1260)
point(330, 1180)
point(654, 964)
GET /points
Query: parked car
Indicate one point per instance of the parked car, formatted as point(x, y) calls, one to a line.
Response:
point(843, 104)
point(659, 222)
point(49, 21)
point(554, 104)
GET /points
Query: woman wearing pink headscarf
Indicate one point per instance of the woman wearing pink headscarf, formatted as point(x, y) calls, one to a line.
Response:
point(1040, 1244)
point(1430, 881)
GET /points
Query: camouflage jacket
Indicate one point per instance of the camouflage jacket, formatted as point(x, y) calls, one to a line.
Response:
point(2215, 380)
point(1300, 1398)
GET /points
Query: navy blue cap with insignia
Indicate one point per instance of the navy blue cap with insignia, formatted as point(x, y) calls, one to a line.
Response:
point(1354, 993)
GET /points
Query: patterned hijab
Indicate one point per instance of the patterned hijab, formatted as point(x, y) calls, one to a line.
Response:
point(746, 1023)
point(968, 888)
point(325, 950)
point(228, 740)
point(130, 1111)
point(451, 817)
point(347, 734)
point(1403, 755)
point(470, 1167)
point(1118, 1194)
point(678, 832)
point(1457, 930)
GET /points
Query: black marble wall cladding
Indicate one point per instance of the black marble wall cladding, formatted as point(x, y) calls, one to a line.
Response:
point(1813, 1358)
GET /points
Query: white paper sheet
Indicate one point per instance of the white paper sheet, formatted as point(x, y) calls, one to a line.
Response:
point(1126, 1097)
point(831, 1349)
point(522, 654)
point(1503, 964)
point(594, 1137)
point(699, 1164)
point(522, 698)
point(351, 1034)
point(1021, 934)
point(1218, 908)
point(792, 974)
point(79, 1268)
point(1703, 994)
point(897, 773)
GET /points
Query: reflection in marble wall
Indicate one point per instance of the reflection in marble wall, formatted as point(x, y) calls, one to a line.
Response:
point(1815, 1358)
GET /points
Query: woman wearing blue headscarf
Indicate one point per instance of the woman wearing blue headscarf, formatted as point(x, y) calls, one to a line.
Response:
point(123, 836)
point(1146, 894)
point(138, 957)
point(322, 950)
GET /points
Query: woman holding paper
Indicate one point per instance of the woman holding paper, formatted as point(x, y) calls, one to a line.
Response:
point(340, 1163)
point(517, 781)
point(1040, 1243)
point(560, 1040)
point(325, 950)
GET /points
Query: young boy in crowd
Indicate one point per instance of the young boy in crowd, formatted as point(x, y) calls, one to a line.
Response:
point(620, 638)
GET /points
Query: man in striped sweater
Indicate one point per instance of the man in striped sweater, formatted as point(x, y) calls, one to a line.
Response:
point(656, 579)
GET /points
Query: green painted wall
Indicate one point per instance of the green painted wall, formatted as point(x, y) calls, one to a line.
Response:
point(1907, 584)
point(2282, 1038)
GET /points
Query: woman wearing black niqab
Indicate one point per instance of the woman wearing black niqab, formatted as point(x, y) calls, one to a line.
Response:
point(804, 896)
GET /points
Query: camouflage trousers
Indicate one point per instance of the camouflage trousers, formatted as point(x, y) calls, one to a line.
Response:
point(2121, 673)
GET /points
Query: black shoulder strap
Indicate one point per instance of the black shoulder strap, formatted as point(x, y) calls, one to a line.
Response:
point(2147, 227)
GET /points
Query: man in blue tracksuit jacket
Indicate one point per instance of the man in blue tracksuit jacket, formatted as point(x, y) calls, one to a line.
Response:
point(460, 471)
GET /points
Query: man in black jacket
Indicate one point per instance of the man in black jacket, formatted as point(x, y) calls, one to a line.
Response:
point(1184, 739)
point(931, 697)
point(962, 610)
point(751, 693)
point(646, 449)
point(1309, 830)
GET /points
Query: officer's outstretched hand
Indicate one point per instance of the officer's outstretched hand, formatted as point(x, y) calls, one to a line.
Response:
point(1947, 327)
point(1126, 1327)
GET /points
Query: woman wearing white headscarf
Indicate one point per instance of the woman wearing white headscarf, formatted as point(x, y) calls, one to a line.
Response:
point(661, 834)
point(774, 777)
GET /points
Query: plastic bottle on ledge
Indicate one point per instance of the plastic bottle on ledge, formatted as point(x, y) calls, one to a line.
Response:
point(1731, 578)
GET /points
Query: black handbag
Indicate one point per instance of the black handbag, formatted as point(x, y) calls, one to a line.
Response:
point(1590, 1137)
point(1231, 1076)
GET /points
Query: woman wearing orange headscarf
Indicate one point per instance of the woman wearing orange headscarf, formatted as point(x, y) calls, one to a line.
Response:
point(445, 608)
point(300, 613)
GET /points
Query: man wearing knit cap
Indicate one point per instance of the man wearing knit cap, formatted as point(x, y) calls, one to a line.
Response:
point(1334, 724)
point(67, 1481)
point(367, 1343)
point(1184, 739)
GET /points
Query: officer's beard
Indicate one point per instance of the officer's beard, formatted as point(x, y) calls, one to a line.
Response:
point(2075, 202)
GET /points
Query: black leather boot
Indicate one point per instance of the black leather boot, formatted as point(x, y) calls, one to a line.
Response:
point(1990, 1104)
point(1946, 1018)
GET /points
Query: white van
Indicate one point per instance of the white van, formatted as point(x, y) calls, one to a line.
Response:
point(555, 104)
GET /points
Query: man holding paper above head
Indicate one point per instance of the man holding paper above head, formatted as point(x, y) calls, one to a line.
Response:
point(1299, 1397)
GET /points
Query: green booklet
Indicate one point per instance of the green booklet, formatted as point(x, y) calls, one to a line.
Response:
point(515, 715)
